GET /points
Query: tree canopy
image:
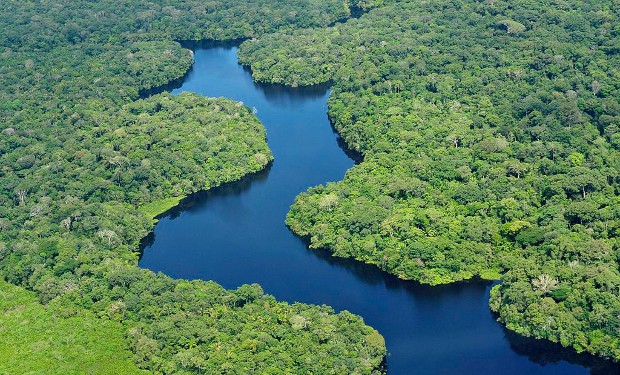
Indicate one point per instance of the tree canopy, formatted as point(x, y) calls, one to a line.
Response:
point(86, 164)
point(489, 131)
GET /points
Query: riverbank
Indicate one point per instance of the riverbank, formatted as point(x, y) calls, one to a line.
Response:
point(236, 235)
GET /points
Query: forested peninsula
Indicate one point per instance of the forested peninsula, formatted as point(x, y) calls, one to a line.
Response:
point(490, 135)
point(490, 132)
point(87, 164)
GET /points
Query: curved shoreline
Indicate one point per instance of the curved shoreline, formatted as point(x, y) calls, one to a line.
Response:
point(356, 264)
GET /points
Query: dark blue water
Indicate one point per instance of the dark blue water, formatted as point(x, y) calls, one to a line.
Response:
point(236, 234)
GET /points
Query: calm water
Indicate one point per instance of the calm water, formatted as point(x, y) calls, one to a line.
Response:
point(236, 234)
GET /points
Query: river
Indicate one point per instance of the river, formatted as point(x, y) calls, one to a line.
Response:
point(236, 234)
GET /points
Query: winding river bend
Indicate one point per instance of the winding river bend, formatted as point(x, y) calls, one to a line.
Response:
point(235, 234)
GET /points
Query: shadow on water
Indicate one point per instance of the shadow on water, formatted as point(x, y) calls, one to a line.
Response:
point(373, 275)
point(170, 86)
point(352, 154)
point(235, 234)
point(275, 93)
point(199, 200)
point(207, 43)
point(544, 353)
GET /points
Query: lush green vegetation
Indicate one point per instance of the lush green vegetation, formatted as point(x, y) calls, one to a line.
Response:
point(491, 139)
point(86, 166)
point(39, 339)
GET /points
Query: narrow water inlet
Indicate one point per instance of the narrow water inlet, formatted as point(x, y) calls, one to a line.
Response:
point(236, 234)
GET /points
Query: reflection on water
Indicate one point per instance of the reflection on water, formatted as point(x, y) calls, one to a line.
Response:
point(545, 353)
point(235, 234)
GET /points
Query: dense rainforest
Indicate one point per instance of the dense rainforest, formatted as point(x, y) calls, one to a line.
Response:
point(86, 165)
point(490, 132)
point(55, 343)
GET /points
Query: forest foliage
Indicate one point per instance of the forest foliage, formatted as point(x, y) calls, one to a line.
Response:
point(491, 139)
point(40, 339)
point(86, 164)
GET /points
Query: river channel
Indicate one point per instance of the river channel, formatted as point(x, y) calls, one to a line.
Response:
point(236, 234)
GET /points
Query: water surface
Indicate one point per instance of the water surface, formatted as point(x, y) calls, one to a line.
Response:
point(235, 234)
